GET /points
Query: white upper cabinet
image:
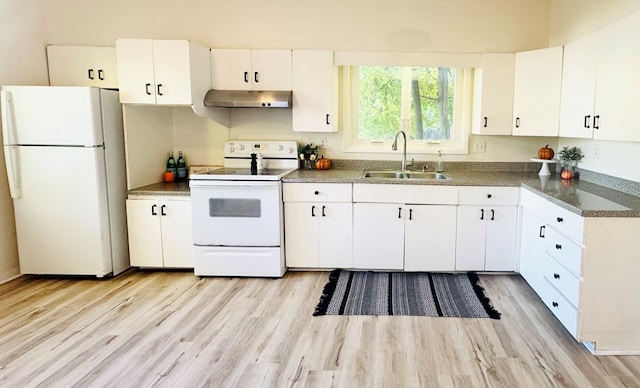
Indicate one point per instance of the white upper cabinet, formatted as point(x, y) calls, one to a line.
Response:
point(578, 87)
point(536, 94)
point(243, 69)
point(82, 66)
point(618, 82)
point(493, 95)
point(162, 72)
point(314, 89)
point(600, 82)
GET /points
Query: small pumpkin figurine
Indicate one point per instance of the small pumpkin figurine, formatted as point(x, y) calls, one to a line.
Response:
point(566, 174)
point(545, 153)
point(323, 163)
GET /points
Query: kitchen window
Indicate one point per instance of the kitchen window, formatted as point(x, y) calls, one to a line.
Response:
point(432, 105)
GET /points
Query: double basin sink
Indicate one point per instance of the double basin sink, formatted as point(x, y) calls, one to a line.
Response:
point(390, 174)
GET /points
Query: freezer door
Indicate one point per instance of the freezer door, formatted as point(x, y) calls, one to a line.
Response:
point(51, 115)
point(62, 219)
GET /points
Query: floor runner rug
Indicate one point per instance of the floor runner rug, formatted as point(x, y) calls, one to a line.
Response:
point(405, 293)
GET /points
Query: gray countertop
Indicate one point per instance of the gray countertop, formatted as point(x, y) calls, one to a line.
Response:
point(580, 197)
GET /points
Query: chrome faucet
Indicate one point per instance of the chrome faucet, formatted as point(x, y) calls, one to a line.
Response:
point(394, 147)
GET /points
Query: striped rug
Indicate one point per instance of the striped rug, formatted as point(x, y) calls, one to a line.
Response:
point(405, 293)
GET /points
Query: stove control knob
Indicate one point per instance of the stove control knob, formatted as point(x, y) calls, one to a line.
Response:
point(290, 150)
point(241, 147)
point(231, 149)
point(280, 147)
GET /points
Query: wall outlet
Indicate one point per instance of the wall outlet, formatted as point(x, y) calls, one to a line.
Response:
point(479, 146)
point(323, 142)
point(596, 152)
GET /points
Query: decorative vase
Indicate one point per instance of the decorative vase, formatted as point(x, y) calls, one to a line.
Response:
point(308, 164)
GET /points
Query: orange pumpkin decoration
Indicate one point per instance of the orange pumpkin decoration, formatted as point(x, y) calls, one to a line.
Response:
point(323, 163)
point(566, 174)
point(545, 153)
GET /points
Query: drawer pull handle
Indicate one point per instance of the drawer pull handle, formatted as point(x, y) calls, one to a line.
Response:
point(542, 231)
point(482, 214)
point(556, 276)
point(323, 207)
point(399, 212)
point(313, 211)
point(559, 219)
point(411, 214)
point(554, 304)
point(558, 246)
point(493, 215)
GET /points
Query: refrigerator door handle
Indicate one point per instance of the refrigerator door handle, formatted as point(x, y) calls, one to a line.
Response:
point(6, 106)
point(11, 159)
point(10, 150)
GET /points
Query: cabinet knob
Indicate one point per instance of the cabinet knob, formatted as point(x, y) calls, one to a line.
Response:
point(316, 192)
point(559, 219)
point(558, 246)
point(556, 276)
point(554, 304)
point(488, 195)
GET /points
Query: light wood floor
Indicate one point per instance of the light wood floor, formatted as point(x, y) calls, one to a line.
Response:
point(174, 329)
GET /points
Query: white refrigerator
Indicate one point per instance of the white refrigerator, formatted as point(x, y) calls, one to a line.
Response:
point(64, 152)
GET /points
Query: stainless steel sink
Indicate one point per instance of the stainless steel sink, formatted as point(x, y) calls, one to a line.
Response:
point(405, 175)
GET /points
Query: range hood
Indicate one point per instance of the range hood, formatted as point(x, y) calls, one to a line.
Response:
point(248, 99)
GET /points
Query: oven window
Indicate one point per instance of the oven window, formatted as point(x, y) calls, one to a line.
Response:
point(234, 207)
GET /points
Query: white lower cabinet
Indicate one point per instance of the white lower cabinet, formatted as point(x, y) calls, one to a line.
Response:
point(430, 238)
point(318, 225)
point(394, 231)
point(378, 236)
point(487, 229)
point(160, 232)
point(585, 271)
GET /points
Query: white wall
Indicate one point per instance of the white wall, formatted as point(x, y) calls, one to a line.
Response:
point(22, 61)
point(424, 25)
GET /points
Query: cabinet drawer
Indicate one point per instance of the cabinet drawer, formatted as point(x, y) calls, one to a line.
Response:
point(563, 280)
point(488, 195)
point(566, 313)
point(564, 250)
point(317, 192)
point(566, 222)
point(411, 194)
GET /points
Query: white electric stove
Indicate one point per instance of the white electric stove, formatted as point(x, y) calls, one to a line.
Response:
point(237, 210)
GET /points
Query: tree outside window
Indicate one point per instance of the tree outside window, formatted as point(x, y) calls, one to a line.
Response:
point(418, 100)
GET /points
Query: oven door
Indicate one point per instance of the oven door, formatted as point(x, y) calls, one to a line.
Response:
point(236, 213)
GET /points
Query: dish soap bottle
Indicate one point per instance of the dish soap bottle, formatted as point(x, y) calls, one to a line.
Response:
point(439, 164)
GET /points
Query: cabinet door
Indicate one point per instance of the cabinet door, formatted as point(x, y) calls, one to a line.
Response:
point(532, 254)
point(231, 69)
point(500, 247)
point(471, 238)
point(578, 87)
point(82, 66)
point(314, 88)
point(335, 235)
point(430, 238)
point(378, 236)
point(271, 69)
point(301, 234)
point(536, 96)
point(493, 95)
point(617, 91)
point(145, 242)
point(172, 69)
point(177, 243)
point(135, 71)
